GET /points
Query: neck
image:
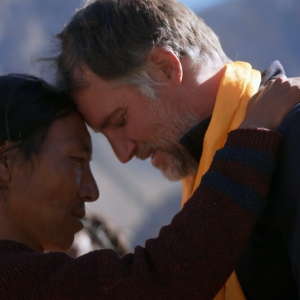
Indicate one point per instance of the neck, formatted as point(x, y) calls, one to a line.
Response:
point(11, 231)
point(202, 89)
point(206, 94)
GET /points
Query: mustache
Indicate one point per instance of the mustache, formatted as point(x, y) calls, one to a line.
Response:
point(144, 151)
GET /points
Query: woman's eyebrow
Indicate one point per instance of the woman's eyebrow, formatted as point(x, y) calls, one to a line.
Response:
point(83, 145)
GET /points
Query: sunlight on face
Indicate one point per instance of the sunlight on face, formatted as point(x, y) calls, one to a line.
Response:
point(136, 126)
point(167, 154)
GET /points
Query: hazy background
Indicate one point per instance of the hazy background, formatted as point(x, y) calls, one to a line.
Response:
point(135, 195)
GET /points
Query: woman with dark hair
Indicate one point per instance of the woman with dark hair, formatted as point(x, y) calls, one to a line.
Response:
point(45, 151)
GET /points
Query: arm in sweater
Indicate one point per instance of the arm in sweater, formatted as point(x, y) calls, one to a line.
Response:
point(190, 259)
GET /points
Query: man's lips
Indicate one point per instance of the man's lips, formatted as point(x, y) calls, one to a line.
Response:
point(146, 154)
point(152, 154)
point(155, 160)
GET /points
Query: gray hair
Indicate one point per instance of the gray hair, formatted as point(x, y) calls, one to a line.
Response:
point(114, 37)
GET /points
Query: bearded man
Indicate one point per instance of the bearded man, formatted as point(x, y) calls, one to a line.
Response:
point(153, 78)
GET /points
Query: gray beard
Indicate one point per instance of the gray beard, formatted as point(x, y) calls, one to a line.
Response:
point(172, 125)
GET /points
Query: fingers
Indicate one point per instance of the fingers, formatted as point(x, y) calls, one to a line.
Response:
point(295, 81)
point(275, 83)
point(268, 107)
point(283, 94)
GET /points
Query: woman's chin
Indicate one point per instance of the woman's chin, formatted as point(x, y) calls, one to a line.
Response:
point(63, 246)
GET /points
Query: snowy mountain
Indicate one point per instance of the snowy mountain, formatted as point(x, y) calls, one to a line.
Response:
point(259, 31)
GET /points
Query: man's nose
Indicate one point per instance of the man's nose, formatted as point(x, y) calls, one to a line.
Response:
point(123, 148)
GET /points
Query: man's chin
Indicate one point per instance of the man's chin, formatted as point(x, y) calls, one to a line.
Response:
point(171, 174)
point(174, 174)
point(170, 167)
point(172, 177)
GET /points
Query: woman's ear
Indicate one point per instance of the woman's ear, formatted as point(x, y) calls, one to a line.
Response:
point(5, 172)
point(165, 67)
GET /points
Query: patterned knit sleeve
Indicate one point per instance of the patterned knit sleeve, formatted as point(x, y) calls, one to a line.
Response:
point(194, 255)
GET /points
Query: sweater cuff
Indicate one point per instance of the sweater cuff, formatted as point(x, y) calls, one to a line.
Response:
point(260, 139)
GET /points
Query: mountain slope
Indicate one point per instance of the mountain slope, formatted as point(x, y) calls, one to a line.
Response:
point(259, 31)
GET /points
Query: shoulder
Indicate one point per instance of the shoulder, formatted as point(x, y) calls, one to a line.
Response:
point(291, 123)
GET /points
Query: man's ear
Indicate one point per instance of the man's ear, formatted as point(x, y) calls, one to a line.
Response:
point(5, 171)
point(164, 67)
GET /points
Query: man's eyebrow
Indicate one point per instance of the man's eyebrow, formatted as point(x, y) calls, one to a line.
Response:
point(108, 119)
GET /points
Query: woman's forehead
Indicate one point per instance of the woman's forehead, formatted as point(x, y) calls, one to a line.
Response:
point(71, 129)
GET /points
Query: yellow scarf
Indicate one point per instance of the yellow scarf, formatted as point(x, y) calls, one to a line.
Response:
point(238, 84)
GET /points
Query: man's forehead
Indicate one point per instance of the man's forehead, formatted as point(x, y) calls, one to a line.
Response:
point(96, 112)
point(99, 101)
point(91, 80)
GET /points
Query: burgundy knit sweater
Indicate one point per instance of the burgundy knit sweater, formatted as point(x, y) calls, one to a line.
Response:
point(190, 259)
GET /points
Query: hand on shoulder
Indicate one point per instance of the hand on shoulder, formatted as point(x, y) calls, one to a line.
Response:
point(268, 107)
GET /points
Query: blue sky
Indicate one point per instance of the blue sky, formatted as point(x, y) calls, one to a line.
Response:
point(198, 5)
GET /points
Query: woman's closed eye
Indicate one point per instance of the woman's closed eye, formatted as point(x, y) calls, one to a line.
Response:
point(79, 159)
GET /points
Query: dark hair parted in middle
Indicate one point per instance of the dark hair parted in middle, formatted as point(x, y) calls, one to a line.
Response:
point(28, 106)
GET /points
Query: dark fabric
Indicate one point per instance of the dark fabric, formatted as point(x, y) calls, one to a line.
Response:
point(273, 71)
point(193, 139)
point(215, 224)
point(270, 267)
